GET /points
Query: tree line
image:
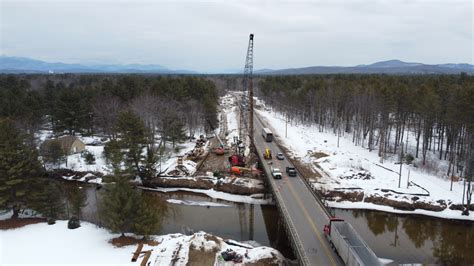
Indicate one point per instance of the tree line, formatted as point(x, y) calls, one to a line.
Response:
point(436, 113)
point(89, 104)
point(130, 110)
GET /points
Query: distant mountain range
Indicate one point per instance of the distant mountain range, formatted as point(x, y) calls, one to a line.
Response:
point(27, 65)
point(384, 67)
point(10, 64)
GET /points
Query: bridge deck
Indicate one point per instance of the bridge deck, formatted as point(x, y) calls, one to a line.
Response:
point(302, 213)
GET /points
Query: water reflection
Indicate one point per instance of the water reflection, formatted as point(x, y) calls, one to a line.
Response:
point(414, 239)
point(402, 238)
point(239, 221)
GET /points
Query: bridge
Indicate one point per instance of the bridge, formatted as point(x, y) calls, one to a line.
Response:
point(302, 212)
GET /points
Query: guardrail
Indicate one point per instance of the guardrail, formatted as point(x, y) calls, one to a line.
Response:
point(295, 241)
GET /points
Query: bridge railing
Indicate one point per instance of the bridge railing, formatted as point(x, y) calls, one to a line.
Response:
point(295, 241)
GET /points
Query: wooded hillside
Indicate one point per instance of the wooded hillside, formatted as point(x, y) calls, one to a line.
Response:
point(382, 112)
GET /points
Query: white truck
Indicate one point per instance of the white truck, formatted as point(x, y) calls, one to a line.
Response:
point(349, 245)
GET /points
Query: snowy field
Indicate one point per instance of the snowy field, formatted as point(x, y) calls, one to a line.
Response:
point(353, 168)
point(42, 244)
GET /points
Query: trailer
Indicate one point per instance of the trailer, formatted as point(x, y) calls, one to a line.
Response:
point(267, 134)
point(348, 244)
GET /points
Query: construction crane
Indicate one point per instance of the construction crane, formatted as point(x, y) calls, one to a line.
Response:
point(247, 98)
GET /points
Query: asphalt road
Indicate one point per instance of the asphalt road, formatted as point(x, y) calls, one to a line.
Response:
point(305, 213)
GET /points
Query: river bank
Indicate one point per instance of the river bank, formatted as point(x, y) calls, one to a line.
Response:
point(25, 245)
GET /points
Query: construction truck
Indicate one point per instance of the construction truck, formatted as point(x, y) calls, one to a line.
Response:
point(267, 154)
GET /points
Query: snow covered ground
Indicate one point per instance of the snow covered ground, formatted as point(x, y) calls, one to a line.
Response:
point(95, 145)
point(229, 107)
point(353, 168)
point(42, 244)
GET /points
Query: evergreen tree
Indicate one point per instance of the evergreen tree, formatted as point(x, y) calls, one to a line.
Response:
point(147, 220)
point(53, 153)
point(76, 200)
point(133, 135)
point(149, 168)
point(119, 206)
point(46, 199)
point(88, 157)
point(176, 132)
point(72, 112)
point(19, 167)
point(113, 155)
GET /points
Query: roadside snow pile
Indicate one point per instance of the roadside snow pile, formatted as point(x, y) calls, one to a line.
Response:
point(26, 245)
point(357, 173)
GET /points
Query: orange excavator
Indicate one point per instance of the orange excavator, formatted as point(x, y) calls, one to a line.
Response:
point(237, 170)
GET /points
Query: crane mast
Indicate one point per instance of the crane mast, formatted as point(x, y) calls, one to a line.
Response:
point(248, 90)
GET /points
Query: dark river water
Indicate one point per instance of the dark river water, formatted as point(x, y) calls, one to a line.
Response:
point(401, 238)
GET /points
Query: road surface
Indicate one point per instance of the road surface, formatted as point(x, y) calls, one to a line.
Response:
point(306, 215)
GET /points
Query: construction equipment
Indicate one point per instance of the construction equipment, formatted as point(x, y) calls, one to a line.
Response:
point(246, 114)
point(219, 151)
point(237, 160)
point(237, 170)
point(214, 131)
point(267, 154)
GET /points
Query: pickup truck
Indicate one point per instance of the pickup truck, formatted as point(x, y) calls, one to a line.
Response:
point(276, 173)
point(291, 171)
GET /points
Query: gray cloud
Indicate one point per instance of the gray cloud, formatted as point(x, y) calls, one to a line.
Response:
point(213, 35)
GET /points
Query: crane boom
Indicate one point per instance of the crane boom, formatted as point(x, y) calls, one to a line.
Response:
point(248, 88)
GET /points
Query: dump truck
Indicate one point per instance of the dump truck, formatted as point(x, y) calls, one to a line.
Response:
point(267, 154)
point(348, 244)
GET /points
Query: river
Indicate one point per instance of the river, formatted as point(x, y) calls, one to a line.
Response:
point(401, 238)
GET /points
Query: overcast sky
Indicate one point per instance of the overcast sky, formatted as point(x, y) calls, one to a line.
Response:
point(213, 35)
